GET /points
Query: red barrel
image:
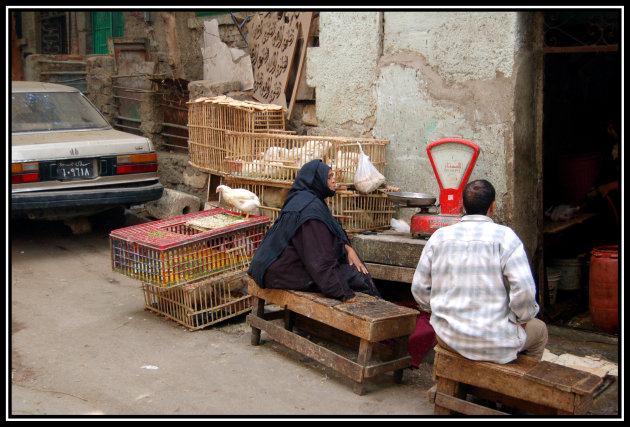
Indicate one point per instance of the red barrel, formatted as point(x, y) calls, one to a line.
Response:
point(604, 288)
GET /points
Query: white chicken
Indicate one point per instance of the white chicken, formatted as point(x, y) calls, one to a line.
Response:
point(275, 153)
point(254, 168)
point(241, 199)
point(309, 151)
point(346, 162)
point(261, 168)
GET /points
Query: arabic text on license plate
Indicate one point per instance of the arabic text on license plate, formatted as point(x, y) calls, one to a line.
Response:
point(75, 169)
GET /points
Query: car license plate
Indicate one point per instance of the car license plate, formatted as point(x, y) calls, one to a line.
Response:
point(75, 169)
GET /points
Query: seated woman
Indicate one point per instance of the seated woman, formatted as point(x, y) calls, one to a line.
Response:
point(306, 249)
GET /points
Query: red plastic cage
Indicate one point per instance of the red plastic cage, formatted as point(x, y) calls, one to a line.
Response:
point(182, 249)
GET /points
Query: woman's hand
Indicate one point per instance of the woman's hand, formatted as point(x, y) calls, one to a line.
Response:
point(353, 259)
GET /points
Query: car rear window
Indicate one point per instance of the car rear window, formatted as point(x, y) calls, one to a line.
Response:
point(53, 111)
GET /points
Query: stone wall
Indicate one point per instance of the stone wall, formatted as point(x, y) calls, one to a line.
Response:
point(175, 173)
point(100, 69)
point(176, 39)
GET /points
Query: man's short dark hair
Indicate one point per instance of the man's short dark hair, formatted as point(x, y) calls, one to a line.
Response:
point(478, 196)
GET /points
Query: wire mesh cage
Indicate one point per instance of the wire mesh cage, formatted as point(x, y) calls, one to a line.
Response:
point(202, 303)
point(188, 247)
point(277, 157)
point(210, 118)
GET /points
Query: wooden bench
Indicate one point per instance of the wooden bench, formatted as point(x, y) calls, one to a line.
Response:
point(527, 384)
point(364, 324)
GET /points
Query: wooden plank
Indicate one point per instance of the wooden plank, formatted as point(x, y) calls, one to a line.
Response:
point(321, 299)
point(517, 368)
point(303, 346)
point(319, 312)
point(258, 309)
point(463, 407)
point(326, 332)
point(272, 47)
point(511, 401)
point(396, 355)
point(449, 388)
point(392, 273)
point(431, 394)
point(306, 25)
point(582, 404)
point(376, 310)
point(506, 379)
point(395, 327)
point(564, 378)
point(386, 320)
point(390, 365)
point(330, 334)
point(365, 354)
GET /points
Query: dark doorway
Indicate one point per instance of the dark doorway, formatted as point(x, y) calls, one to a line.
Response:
point(581, 151)
point(54, 33)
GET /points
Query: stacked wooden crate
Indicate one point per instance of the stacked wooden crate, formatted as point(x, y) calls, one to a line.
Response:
point(192, 267)
point(246, 143)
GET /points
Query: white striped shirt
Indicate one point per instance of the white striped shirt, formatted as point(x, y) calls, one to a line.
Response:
point(475, 278)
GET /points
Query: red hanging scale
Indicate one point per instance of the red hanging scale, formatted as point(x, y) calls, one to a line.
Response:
point(452, 160)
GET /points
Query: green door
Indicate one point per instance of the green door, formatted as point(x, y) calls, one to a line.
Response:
point(104, 25)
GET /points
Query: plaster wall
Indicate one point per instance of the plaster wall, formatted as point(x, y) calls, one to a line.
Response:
point(416, 77)
point(344, 68)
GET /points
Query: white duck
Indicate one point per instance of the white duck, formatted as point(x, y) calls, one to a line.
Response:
point(241, 199)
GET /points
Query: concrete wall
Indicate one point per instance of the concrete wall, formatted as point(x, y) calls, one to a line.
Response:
point(344, 69)
point(416, 77)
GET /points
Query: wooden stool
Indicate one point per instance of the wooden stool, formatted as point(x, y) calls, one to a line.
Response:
point(527, 384)
point(366, 323)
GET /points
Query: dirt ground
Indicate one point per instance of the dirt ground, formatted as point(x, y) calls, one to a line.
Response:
point(81, 344)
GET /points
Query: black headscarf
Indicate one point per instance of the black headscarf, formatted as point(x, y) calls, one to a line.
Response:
point(305, 201)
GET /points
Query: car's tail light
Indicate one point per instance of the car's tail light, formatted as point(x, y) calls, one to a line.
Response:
point(24, 172)
point(136, 163)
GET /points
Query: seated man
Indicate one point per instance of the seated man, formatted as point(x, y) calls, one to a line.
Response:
point(474, 277)
point(306, 249)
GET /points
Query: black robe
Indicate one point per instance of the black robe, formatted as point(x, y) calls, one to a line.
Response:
point(305, 248)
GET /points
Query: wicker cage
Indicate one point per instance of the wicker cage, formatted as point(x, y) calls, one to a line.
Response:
point(200, 304)
point(188, 247)
point(277, 157)
point(360, 212)
point(271, 196)
point(356, 211)
point(209, 118)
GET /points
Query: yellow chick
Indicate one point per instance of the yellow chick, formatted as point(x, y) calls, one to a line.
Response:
point(241, 199)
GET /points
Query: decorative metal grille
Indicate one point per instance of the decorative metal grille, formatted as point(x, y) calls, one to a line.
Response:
point(581, 30)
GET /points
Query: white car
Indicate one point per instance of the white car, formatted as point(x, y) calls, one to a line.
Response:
point(66, 159)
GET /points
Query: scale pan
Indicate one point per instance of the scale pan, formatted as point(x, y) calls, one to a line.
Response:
point(411, 199)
